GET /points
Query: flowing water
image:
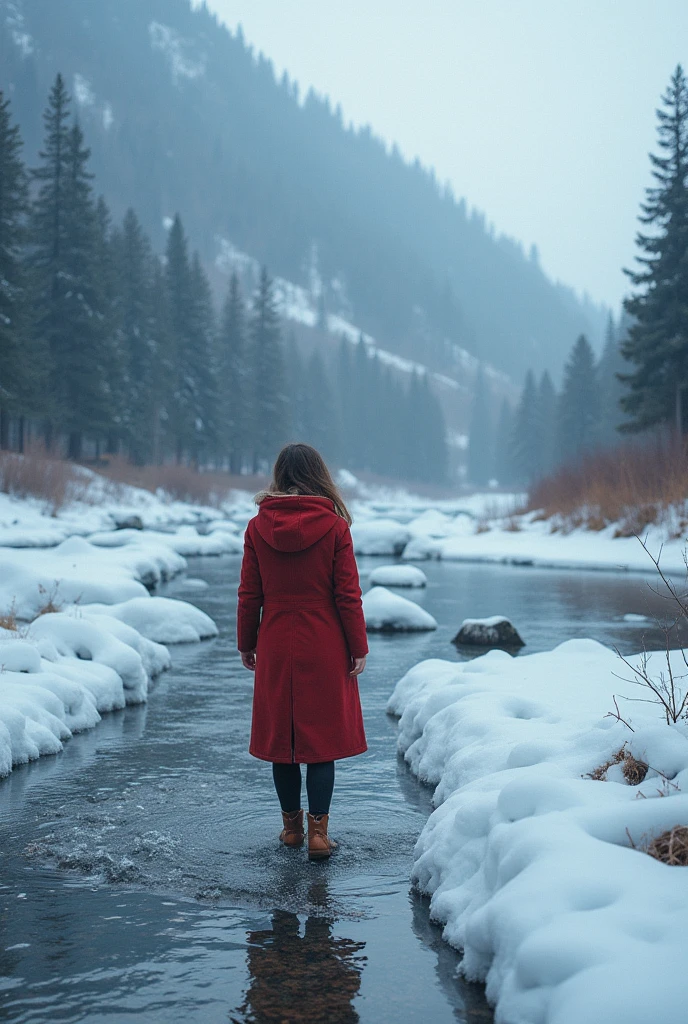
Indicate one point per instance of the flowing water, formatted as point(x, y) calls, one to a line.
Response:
point(140, 876)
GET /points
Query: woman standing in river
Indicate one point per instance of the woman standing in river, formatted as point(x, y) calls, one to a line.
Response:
point(308, 645)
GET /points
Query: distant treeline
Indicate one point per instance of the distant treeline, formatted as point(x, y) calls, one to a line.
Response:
point(639, 384)
point(105, 347)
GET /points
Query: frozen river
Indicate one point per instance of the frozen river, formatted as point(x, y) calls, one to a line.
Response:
point(140, 877)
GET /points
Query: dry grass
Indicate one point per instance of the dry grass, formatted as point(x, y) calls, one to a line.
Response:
point(633, 770)
point(37, 475)
point(179, 482)
point(632, 486)
point(9, 619)
point(671, 847)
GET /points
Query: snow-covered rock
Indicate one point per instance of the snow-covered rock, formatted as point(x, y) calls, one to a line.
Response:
point(495, 631)
point(390, 613)
point(162, 619)
point(379, 537)
point(398, 576)
point(528, 860)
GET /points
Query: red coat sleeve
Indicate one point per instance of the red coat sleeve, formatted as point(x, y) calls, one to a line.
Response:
point(347, 594)
point(250, 598)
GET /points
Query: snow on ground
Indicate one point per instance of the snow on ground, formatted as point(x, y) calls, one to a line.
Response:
point(529, 862)
point(398, 576)
point(388, 612)
point(101, 638)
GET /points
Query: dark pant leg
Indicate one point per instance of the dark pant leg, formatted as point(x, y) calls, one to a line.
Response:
point(287, 779)
point(319, 786)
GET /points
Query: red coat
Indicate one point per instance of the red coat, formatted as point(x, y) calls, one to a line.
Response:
point(299, 568)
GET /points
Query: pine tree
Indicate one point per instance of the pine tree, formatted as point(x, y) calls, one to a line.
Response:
point(193, 401)
point(526, 441)
point(201, 355)
point(139, 343)
point(610, 368)
point(657, 342)
point(270, 408)
point(579, 403)
point(69, 299)
point(547, 417)
point(15, 367)
point(295, 383)
point(503, 464)
point(233, 406)
point(321, 427)
point(480, 438)
point(48, 235)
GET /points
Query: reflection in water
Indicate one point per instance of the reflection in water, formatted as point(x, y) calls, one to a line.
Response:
point(304, 977)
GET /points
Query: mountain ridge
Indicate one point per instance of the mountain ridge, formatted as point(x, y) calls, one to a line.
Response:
point(181, 115)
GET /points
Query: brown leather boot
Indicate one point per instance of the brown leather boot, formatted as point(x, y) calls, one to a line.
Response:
point(292, 834)
point(320, 845)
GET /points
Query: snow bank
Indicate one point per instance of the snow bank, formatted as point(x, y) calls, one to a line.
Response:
point(379, 537)
point(61, 674)
point(162, 619)
point(388, 612)
point(528, 861)
point(185, 541)
point(398, 576)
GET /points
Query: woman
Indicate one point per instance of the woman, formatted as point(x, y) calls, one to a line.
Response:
point(309, 645)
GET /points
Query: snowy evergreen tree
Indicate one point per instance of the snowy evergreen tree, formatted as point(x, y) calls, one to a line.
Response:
point(48, 236)
point(270, 420)
point(321, 427)
point(69, 300)
point(480, 439)
point(139, 340)
point(201, 354)
point(657, 342)
point(526, 440)
point(233, 383)
point(611, 390)
point(579, 403)
point(192, 406)
point(547, 416)
point(503, 461)
point(15, 363)
point(295, 382)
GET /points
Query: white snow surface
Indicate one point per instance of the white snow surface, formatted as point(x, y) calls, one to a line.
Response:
point(386, 611)
point(530, 864)
point(379, 537)
point(60, 674)
point(398, 576)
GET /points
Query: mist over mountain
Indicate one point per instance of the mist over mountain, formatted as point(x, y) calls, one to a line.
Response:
point(182, 116)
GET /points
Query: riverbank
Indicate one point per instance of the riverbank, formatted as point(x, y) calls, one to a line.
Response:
point(550, 812)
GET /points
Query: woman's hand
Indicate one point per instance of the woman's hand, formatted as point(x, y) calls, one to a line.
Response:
point(248, 660)
point(358, 664)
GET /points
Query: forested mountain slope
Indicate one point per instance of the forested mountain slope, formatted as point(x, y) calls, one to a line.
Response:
point(181, 116)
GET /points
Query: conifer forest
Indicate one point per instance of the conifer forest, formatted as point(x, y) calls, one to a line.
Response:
point(108, 347)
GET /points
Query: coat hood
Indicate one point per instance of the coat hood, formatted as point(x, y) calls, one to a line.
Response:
point(294, 522)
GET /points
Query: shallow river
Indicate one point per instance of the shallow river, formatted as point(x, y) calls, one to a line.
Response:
point(140, 876)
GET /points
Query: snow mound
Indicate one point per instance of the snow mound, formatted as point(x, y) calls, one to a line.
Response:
point(390, 613)
point(62, 675)
point(398, 576)
point(495, 631)
point(379, 537)
point(528, 860)
point(162, 619)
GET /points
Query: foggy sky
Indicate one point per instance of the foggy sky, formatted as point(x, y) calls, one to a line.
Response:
point(539, 112)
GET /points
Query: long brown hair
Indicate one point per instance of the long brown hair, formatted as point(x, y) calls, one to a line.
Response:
point(301, 469)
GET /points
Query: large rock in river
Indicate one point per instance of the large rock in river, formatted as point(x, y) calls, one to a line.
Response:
point(497, 631)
